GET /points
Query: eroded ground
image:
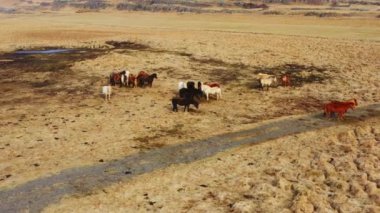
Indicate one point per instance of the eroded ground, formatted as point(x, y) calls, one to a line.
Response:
point(334, 169)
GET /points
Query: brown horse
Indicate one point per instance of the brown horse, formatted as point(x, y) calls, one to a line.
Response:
point(285, 80)
point(212, 84)
point(353, 101)
point(132, 80)
point(143, 78)
point(115, 78)
point(339, 107)
point(142, 74)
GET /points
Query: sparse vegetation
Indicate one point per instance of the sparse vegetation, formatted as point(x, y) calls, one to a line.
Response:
point(273, 12)
point(251, 5)
point(365, 2)
point(95, 4)
point(326, 14)
point(55, 119)
point(157, 7)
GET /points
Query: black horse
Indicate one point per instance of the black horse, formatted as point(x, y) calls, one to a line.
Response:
point(184, 102)
point(146, 80)
point(190, 85)
point(190, 93)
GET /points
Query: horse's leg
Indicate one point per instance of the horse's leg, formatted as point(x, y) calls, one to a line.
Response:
point(340, 116)
point(327, 114)
point(325, 111)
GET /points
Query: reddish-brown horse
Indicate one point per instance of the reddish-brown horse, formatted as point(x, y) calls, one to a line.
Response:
point(143, 78)
point(115, 78)
point(142, 74)
point(353, 101)
point(132, 80)
point(339, 107)
point(285, 80)
point(212, 84)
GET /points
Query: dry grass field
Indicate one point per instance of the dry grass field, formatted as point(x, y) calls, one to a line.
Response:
point(54, 118)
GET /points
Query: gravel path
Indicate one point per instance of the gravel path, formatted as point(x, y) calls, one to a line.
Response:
point(37, 194)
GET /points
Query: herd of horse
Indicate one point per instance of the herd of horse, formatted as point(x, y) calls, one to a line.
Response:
point(125, 78)
point(189, 94)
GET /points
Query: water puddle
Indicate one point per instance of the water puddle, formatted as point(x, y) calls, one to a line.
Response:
point(52, 51)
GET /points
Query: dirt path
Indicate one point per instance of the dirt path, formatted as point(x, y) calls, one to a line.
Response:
point(35, 195)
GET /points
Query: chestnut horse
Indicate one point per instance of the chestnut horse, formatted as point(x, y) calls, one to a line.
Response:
point(131, 80)
point(285, 80)
point(212, 84)
point(354, 101)
point(143, 78)
point(141, 75)
point(116, 78)
point(339, 107)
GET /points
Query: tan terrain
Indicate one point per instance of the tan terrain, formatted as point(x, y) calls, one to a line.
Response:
point(53, 116)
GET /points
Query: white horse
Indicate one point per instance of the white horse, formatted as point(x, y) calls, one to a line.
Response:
point(125, 78)
point(264, 75)
point(207, 90)
point(106, 91)
point(267, 82)
point(181, 85)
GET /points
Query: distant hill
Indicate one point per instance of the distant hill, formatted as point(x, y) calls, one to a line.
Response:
point(21, 3)
point(166, 5)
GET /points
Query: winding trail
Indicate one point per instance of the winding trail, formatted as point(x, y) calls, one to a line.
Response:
point(37, 194)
